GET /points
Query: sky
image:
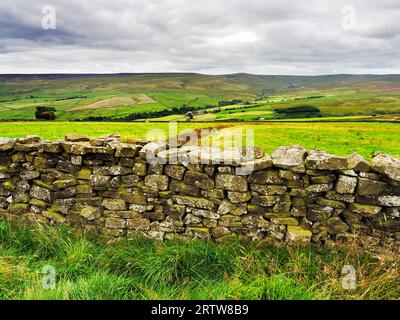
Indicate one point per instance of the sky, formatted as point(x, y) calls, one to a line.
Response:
point(305, 37)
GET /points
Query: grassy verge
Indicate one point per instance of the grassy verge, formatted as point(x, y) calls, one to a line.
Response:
point(88, 267)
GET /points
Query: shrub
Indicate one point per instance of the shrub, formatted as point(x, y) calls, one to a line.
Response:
point(45, 113)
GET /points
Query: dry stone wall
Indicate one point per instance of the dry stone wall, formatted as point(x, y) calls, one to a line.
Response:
point(119, 189)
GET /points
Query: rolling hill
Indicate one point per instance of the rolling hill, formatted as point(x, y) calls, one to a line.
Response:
point(114, 96)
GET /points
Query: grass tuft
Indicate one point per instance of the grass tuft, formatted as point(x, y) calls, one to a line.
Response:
point(88, 267)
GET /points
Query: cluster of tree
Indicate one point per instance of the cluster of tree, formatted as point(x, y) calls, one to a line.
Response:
point(45, 113)
point(298, 112)
point(229, 102)
point(310, 97)
point(71, 98)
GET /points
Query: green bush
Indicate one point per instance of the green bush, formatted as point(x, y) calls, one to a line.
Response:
point(298, 112)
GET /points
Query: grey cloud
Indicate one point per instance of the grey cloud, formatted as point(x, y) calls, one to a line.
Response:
point(209, 36)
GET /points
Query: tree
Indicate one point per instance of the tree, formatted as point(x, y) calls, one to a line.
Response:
point(189, 114)
point(45, 113)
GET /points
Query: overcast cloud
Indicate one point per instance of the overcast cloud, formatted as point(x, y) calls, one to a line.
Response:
point(206, 36)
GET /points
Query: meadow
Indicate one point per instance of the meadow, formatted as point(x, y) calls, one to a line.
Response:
point(338, 138)
point(120, 95)
point(88, 267)
point(116, 96)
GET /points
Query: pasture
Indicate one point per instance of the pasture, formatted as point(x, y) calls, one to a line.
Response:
point(338, 138)
point(117, 96)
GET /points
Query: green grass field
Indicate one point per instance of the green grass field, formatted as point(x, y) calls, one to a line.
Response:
point(87, 267)
point(338, 138)
point(57, 130)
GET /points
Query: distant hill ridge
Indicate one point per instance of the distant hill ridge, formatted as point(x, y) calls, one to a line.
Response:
point(118, 95)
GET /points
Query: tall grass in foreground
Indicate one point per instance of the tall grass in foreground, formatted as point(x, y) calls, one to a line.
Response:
point(88, 267)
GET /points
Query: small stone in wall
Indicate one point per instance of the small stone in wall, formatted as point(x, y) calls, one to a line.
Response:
point(54, 147)
point(205, 214)
point(297, 233)
point(319, 213)
point(335, 225)
point(219, 232)
point(318, 188)
point(62, 184)
point(29, 175)
point(265, 201)
point(365, 209)
point(225, 207)
point(74, 148)
point(331, 203)
point(291, 158)
point(321, 160)
point(332, 195)
point(288, 221)
point(84, 174)
point(266, 177)
point(138, 224)
point(114, 204)
point(99, 181)
point(120, 170)
point(268, 190)
point(198, 233)
point(139, 169)
point(115, 223)
point(190, 219)
point(213, 193)
point(346, 184)
point(19, 208)
point(6, 144)
point(159, 182)
point(41, 193)
point(175, 171)
point(156, 168)
point(386, 164)
point(199, 180)
point(86, 211)
point(140, 208)
point(76, 137)
point(76, 160)
point(237, 197)
point(183, 188)
point(131, 180)
point(54, 216)
point(125, 150)
point(323, 179)
point(371, 187)
point(389, 201)
point(200, 203)
point(248, 167)
point(231, 182)
point(357, 163)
